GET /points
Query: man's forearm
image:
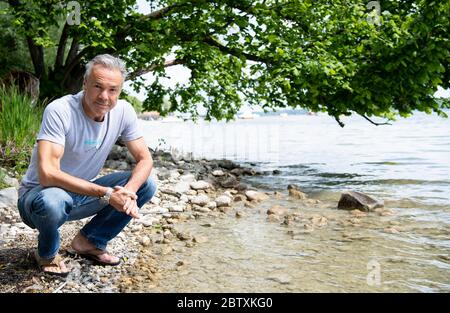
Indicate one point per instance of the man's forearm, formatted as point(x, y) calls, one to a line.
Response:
point(74, 184)
point(139, 175)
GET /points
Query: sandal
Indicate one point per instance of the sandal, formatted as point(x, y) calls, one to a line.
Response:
point(53, 263)
point(93, 255)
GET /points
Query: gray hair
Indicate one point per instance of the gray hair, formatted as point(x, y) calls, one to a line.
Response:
point(107, 61)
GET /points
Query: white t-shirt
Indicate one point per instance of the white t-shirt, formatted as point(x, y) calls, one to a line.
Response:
point(86, 142)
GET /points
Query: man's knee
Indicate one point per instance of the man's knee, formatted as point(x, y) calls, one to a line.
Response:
point(53, 204)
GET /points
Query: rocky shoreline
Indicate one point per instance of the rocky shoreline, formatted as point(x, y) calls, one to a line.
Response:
point(188, 191)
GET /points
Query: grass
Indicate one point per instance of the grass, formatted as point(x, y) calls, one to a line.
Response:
point(2, 180)
point(19, 125)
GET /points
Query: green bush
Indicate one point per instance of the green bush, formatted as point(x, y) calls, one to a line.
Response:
point(3, 184)
point(19, 125)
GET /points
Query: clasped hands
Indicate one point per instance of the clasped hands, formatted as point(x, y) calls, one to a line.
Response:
point(124, 200)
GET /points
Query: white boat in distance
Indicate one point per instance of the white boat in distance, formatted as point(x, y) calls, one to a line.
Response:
point(247, 115)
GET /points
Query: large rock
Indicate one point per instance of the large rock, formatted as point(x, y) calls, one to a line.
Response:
point(352, 200)
point(8, 197)
point(255, 195)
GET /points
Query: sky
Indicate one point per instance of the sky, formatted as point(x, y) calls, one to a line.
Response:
point(180, 74)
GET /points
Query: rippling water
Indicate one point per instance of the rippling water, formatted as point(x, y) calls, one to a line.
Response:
point(406, 164)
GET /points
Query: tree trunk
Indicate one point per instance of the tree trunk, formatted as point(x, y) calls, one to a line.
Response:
point(59, 83)
point(37, 56)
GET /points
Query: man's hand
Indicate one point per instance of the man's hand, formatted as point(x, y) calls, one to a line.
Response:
point(124, 200)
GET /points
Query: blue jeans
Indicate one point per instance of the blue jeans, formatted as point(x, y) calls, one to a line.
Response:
point(46, 209)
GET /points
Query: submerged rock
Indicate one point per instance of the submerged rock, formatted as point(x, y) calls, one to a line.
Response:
point(352, 200)
point(277, 210)
point(295, 192)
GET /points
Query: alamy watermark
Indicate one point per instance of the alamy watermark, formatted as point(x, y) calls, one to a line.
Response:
point(74, 17)
point(74, 12)
point(375, 14)
point(244, 141)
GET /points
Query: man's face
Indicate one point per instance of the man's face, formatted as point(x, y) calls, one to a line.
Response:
point(101, 91)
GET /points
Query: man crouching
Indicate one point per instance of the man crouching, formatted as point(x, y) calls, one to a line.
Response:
point(76, 135)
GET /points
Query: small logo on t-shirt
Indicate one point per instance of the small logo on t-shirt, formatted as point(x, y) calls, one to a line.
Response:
point(92, 142)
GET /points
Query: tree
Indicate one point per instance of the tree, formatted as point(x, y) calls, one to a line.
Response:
point(332, 56)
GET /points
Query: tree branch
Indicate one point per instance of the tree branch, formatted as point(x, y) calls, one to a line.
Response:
point(37, 56)
point(62, 46)
point(71, 56)
point(339, 121)
point(374, 123)
point(150, 68)
point(234, 51)
point(76, 60)
point(155, 15)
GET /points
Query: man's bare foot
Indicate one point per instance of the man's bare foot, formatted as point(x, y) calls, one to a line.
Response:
point(81, 246)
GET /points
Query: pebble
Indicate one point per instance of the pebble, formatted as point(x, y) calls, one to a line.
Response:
point(145, 241)
point(200, 185)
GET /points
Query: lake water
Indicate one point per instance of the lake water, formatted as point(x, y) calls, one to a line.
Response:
point(406, 164)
